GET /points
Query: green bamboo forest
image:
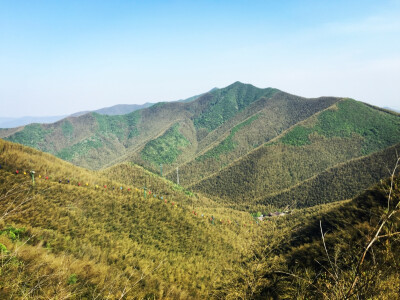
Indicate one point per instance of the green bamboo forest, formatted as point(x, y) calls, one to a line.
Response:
point(237, 193)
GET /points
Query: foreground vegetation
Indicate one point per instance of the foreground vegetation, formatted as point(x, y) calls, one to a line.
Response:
point(346, 250)
point(124, 232)
point(65, 240)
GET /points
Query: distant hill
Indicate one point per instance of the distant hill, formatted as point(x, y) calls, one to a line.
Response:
point(123, 109)
point(392, 109)
point(16, 122)
point(119, 109)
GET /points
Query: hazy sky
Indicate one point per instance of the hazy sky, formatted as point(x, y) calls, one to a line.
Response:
point(60, 57)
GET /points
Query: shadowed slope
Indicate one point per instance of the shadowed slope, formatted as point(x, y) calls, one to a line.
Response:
point(295, 262)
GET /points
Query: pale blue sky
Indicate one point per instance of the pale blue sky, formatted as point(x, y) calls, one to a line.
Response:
point(60, 57)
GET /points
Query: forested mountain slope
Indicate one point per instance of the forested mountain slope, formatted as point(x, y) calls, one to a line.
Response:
point(347, 130)
point(217, 127)
point(259, 123)
point(73, 235)
point(240, 144)
point(343, 181)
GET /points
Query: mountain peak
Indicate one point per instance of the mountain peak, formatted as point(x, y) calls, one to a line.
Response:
point(238, 83)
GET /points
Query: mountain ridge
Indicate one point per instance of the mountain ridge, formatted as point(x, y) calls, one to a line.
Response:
point(95, 233)
point(238, 142)
point(309, 147)
point(118, 109)
point(159, 114)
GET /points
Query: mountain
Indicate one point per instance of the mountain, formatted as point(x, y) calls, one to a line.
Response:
point(73, 235)
point(125, 231)
point(119, 109)
point(259, 123)
point(182, 130)
point(241, 145)
point(346, 130)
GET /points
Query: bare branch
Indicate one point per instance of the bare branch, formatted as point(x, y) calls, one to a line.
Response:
point(376, 236)
point(304, 279)
point(326, 251)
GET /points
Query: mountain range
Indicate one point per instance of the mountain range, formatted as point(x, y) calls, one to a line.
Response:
point(88, 234)
point(240, 143)
point(168, 201)
point(119, 109)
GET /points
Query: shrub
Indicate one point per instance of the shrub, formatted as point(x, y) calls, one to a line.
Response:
point(72, 279)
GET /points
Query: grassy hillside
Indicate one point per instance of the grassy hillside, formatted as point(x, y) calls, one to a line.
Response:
point(68, 240)
point(303, 265)
point(334, 136)
point(75, 240)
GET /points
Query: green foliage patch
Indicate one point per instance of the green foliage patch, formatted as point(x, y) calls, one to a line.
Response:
point(298, 136)
point(132, 120)
point(81, 148)
point(226, 103)
point(110, 124)
point(72, 279)
point(166, 148)
point(32, 135)
point(118, 125)
point(12, 232)
point(3, 249)
point(227, 144)
point(378, 129)
point(67, 128)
